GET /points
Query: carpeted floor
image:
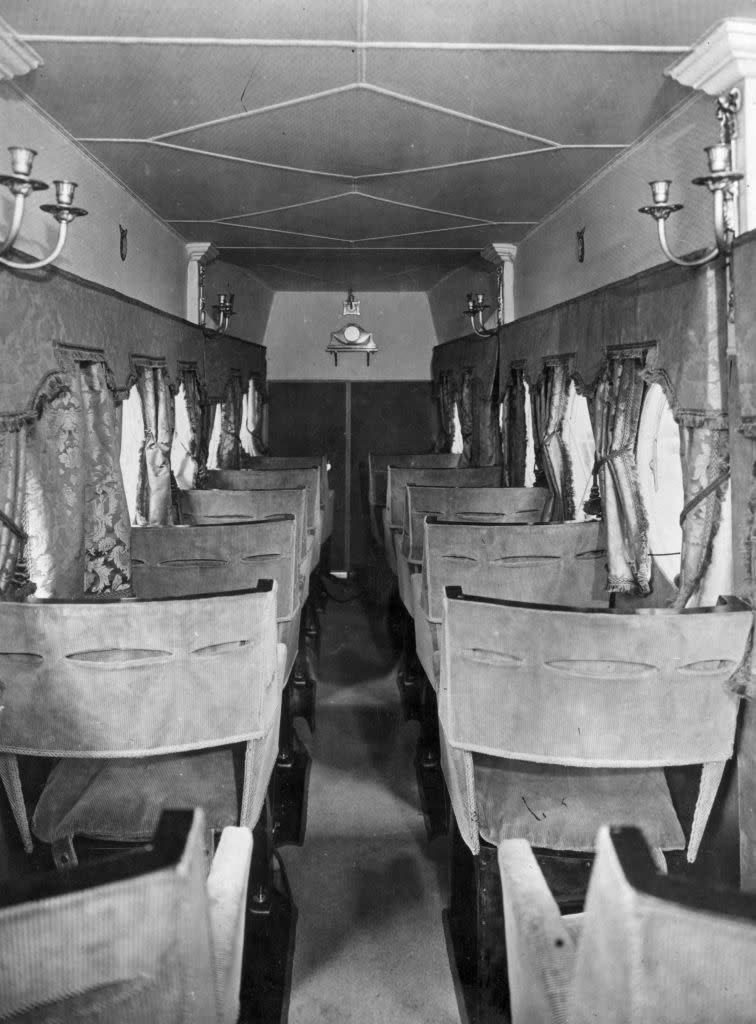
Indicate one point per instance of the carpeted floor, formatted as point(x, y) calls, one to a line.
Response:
point(370, 888)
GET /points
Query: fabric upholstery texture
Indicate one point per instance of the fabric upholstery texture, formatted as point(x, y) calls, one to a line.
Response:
point(161, 945)
point(598, 691)
point(400, 476)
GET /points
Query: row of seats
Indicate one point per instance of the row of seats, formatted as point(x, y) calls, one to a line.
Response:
point(176, 697)
point(555, 715)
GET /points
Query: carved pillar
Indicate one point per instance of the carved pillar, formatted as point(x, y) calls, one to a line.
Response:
point(503, 255)
point(196, 253)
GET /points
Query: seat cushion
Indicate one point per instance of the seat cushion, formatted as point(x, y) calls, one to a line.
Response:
point(121, 799)
point(561, 808)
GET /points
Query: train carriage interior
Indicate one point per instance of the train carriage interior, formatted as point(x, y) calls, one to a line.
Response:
point(377, 511)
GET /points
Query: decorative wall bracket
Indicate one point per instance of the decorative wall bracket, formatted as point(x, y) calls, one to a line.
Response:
point(721, 182)
point(351, 338)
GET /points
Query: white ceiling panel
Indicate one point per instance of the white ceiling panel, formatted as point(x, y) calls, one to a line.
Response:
point(180, 185)
point(232, 19)
point(628, 22)
point(353, 217)
point(431, 105)
point(364, 271)
point(138, 91)
point(525, 188)
point(354, 133)
point(569, 98)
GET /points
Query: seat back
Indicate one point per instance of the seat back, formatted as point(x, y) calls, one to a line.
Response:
point(467, 504)
point(590, 688)
point(127, 944)
point(277, 462)
point(128, 678)
point(272, 480)
point(554, 563)
point(657, 947)
point(378, 470)
point(177, 561)
point(207, 508)
point(400, 476)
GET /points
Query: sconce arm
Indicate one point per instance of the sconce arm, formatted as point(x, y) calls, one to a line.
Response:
point(18, 213)
point(699, 261)
point(36, 264)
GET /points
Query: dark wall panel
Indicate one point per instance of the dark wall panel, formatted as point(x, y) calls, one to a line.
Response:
point(308, 419)
point(387, 416)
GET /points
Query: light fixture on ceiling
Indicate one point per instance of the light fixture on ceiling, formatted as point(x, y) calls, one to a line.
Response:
point(721, 181)
point(476, 307)
point(21, 185)
point(224, 308)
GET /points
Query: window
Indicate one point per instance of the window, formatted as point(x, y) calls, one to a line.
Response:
point(132, 439)
point(661, 480)
point(530, 448)
point(577, 432)
point(215, 436)
point(183, 465)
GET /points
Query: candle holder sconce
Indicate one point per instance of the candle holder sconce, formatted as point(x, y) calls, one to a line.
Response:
point(224, 309)
point(721, 182)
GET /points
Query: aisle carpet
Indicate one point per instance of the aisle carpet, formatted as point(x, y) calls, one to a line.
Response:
point(370, 888)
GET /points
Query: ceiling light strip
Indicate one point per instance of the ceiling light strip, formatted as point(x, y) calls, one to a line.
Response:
point(351, 44)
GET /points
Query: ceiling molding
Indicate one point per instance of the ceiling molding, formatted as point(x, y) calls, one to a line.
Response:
point(720, 59)
point(351, 44)
point(17, 58)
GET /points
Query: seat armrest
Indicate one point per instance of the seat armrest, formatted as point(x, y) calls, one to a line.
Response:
point(540, 947)
point(227, 902)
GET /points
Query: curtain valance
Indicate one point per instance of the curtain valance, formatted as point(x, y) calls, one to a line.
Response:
point(682, 310)
point(478, 356)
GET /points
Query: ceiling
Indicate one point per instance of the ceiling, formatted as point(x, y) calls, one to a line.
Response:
point(373, 143)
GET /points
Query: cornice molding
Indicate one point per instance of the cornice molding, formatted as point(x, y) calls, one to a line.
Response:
point(499, 253)
point(204, 252)
point(720, 59)
point(16, 57)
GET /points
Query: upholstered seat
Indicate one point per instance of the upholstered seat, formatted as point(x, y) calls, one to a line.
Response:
point(647, 948)
point(378, 478)
point(115, 683)
point(148, 936)
point(517, 562)
point(578, 711)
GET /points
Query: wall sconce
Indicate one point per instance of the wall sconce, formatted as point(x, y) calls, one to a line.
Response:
point(224, 308)
point(21, 185)
point(476, 306)
point(721, 181)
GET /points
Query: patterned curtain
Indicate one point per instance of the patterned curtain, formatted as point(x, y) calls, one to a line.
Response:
point(155, 504)
point(229, 448)
point(616, 413)
point(487, 435)
point(258, 399)
point(504, 438)
point(447, 395)
point(465, 412)
point(550, 396)
point(706, 470)
point(12, 473)
point(77, 520)
point(200, 413)
point(516, 429)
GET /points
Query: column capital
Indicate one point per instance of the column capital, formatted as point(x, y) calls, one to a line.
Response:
point(720, 59)
point(201, 252)
point(499, 253)
point(17, 58)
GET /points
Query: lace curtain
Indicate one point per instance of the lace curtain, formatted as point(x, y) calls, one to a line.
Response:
point(77, 521)
point(12, 473)
point(155, 505)
point(616, 413)
point(229, 447)
point(550, 396)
